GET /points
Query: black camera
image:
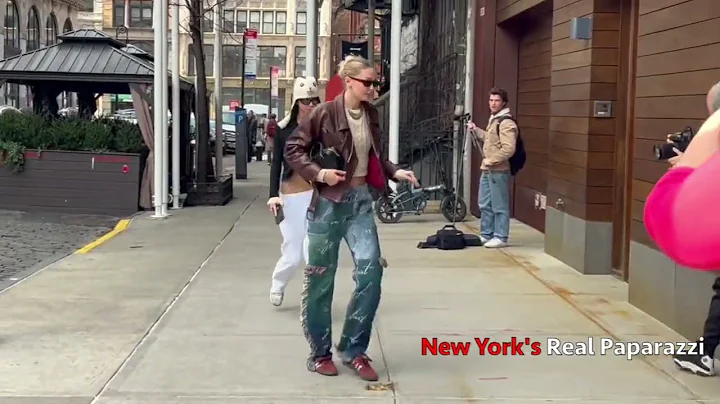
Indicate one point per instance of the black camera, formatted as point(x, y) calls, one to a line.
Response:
point(680, 141)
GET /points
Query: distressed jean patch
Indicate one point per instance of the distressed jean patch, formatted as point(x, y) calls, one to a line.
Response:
point(351, 220)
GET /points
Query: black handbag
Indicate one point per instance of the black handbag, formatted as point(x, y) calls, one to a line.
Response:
point(327, 157)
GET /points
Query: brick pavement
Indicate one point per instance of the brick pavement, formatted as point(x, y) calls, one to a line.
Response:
point(29, 242)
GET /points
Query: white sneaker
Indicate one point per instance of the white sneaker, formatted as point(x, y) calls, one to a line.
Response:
point(483, 240)
point(495, 243)
point(276, 298)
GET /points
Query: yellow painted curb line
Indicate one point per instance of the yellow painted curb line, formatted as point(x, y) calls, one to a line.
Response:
point(119, 228)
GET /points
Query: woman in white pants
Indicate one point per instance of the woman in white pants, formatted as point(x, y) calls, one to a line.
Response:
point(289, 191)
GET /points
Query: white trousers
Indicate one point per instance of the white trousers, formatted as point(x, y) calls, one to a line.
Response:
point(294, 247)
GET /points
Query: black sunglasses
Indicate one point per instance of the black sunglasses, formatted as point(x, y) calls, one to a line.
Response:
point(309, 101)
point(366, 83)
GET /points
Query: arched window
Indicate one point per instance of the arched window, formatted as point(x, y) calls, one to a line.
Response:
point(12, 48)
point(51, 30)
point(68, 26)
point(33, 30)
point(12, 21)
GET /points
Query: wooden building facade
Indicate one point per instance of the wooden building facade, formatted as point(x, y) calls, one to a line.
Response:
point(587, 175)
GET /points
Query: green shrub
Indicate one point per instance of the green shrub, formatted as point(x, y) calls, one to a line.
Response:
point(20, 132)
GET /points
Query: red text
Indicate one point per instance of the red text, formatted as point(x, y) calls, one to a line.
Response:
point(483, 346)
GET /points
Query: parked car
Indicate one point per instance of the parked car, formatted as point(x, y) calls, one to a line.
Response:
point(228, 136)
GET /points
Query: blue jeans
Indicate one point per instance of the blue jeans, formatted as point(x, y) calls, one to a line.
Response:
point(353, 220)
point(494, 204)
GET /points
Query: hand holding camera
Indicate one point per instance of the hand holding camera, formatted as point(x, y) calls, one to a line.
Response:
point(674, 160)
point(674, 146)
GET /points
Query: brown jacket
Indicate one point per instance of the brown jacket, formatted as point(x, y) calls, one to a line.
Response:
point(498, 146)
point(328, 124)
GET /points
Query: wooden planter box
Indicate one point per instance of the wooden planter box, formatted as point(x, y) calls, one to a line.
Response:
point(73, 182)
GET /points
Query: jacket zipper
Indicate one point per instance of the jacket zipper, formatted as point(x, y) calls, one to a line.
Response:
point(352, 149)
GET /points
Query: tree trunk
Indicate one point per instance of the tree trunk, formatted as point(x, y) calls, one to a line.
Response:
point(202, 110)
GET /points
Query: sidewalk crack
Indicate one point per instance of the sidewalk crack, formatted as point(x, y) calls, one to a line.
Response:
point(390, 382)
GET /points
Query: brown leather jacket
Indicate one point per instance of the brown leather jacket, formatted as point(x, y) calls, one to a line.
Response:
point(328, 124)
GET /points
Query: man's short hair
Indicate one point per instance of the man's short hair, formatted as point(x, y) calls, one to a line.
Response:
point(499, 92)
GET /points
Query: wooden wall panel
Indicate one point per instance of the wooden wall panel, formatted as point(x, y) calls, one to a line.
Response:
point(533, 115)
point(678, 61)
point(582, 148)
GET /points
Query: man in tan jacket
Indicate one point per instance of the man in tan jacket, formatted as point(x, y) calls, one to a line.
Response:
point(497, 143)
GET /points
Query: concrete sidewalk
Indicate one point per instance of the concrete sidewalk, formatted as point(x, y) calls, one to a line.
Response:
point(177, 311)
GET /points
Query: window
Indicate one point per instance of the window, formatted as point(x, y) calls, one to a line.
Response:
point(209, 60)
point(241, 23)
point(255, 96)
point(268, 22)
point(208, 51)
point(232, 61)
point(12, 34)
point(229, 21)
point(118, 13)
point(208, 22)
point(141, 13)
point(272, 56)
point(300, 57)
point(280, 22)
point(33, 30)
point(255, 20)
point(50, 30)
point(301, 23)
point(88, 6)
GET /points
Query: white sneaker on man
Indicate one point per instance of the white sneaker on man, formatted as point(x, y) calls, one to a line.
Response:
point(495, 243)
point(483, 240)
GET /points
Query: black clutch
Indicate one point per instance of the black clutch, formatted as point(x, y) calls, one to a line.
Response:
point(327, 157)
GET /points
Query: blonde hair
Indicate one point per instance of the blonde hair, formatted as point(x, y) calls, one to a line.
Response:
point(353, 65)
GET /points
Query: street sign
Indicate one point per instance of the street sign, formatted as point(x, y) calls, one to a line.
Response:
point(274, 75)
point(251, 53)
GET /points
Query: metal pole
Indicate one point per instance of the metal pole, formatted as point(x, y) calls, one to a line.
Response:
point(157, 112)
point(371, 31)
point(394, 132)
point(217, 74)
point(244, 62)
point(241, 148)
point(165, 108)
point(311, 55)
point(196, 62)
point(469, 84)
point(175, 48)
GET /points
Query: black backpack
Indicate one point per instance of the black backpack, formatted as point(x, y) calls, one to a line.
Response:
point(517, 161)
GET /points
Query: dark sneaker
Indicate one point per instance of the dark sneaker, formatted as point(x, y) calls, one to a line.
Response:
point(324, 366)
point(701, 365)
point(361, 365)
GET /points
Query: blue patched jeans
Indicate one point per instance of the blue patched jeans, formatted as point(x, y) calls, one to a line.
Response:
point(351, 220)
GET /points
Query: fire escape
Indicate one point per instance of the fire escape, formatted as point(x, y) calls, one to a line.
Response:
point(432, 83)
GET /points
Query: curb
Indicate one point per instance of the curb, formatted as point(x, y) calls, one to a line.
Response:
point(119, 228)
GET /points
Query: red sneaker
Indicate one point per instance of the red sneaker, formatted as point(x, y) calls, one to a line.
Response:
point(324, 366)
point(361, 365)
